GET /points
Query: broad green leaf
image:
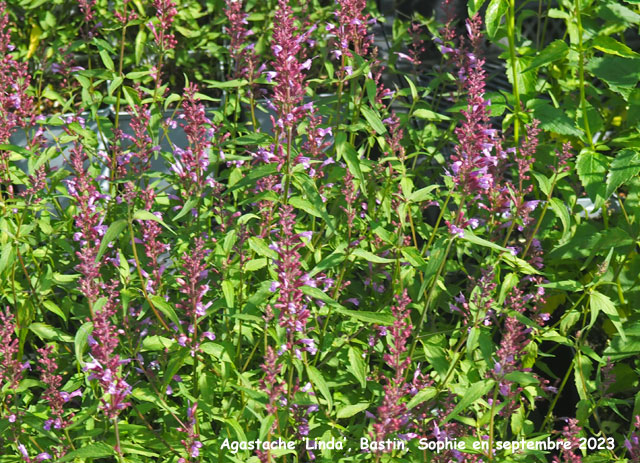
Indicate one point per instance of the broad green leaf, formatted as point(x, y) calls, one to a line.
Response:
point(349, 410)
point(620, 74)
point(52, 307)
point(356, 366)
point(624, 167)
point(592, 168)
point(475, 392)
point(107, 61)
point(611, 46)
point(311, 191)
point(422, 194)
point(495, 11)
point(555, 51)
point(374, 120)
point(318, 381)
point(141, 39)
point(111, 234)
point(260, 247)
point(331, 261)
point(553, 119)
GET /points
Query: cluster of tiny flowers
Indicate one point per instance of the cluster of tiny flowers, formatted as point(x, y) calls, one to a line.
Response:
point(126, 15)
point(105, 365)
point(89, 224)
point(194, 272)
point(478, 151)
point(288, 71)
point(570, 434)
point(86, 6)
point(165, 12)
point(56, 398)
point(10, 366)
point(244, 56)
point(191, 164)
point(138, 155)
point(152, 246)
point(16, 106)
point(392, 414)
point(192, 443)
point(293, 311)
point(351, 31)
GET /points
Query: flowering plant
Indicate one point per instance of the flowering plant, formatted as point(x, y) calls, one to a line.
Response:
point(299, 231)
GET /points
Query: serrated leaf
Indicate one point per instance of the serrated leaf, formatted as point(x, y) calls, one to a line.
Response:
point(553, 119)
point(351, 410)
point(356, 366)
point(331, 261)
point(260, 247)
point(624, 167)
point(592, 168)
point(374, 120)
point(111, 234)
point(318, 381)
point(52, 307)
point(495, 11)
point(106, 60)
point(620, 74)
point(350, 155)
point(555, 51)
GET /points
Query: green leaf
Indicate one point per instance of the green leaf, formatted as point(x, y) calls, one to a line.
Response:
point(472, 238)
point(331, 261)
point(495, 11)
point(356, 366)
point(44, 331)
point(476, 391)
point(52, 307)
point(115, 83)
point(107, 61)
point(318, 381)
point(190, 204)
point(422, 194)
point(255, 264)
point(555, 51)
point(422, 396)
point(350, 155)
point(561, 211)
point(311, 191)
point(370, 257)
point(553, 119)
point(260, 247)
point(429, 115)
point(147, 215)
point(97, 450)
point(80, 341)
point(236, 83)
point(351, 410)
point(611, 46)
point(599, 302)
point(141, 39)
point(624, 167)
point(164, 307)
point(376, 318)
point(111, 234)
point(592, 168)
point(374, 120)
point(620, 74)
